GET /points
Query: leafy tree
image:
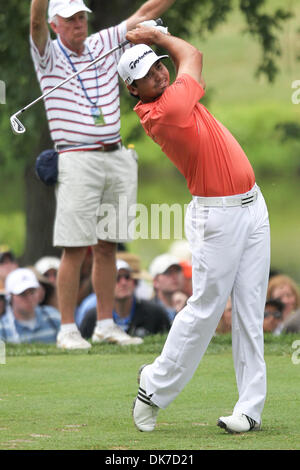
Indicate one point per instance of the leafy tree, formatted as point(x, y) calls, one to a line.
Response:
point(18, 153)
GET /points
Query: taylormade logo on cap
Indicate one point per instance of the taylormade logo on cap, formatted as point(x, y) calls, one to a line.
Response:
point(136, 62)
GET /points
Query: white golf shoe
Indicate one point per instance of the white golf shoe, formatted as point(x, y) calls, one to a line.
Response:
point(144, 411)
point(238, 422)
point(114, 334)
point(71, 340)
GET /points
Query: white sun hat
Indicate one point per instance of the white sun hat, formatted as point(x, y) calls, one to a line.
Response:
point(65, 8)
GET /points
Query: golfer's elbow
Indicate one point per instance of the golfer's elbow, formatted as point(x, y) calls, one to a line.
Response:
point(196, 61)
point(198, 58)
point(195, 58)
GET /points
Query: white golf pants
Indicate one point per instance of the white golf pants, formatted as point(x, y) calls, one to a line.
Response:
point(230, 248)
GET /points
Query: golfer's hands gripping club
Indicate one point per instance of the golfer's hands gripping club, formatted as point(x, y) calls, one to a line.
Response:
point(146, 32)
point(158, 24)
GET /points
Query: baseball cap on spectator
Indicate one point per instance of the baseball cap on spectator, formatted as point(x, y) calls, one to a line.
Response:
point(181, 249)
point(40, 277)
point(134, 262)
point(46, 263)
point(162, 263)
point(65, 8)
point(121, 264)
point(20, 280)
point(136, 62)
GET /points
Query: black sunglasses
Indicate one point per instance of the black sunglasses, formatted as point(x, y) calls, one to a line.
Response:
point(124, 276)
point(276, 314)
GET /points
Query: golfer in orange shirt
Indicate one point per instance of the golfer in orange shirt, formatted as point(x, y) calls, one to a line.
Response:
point(226, 224)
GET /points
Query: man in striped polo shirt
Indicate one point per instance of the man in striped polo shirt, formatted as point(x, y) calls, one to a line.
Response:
point(97, 179)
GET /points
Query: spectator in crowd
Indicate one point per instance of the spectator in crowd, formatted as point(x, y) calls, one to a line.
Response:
point(47, 294)
point(8, 263)
point(137, 317)
point(181, 250)
point(273, 315)
point(144, 288)
point(292, 323)
point(2, 302)
point(48, 266)
point(284, 288)
point(168, 278)
point(179, 300)
point(24, 320)
point(46, 269)
point(187, 274)
point(225, 324)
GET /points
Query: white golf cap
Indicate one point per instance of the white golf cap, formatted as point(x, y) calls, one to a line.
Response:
point(121, 264)
point(136, 62)
point(47, 262)
point(20, 280)
point(65, 8)
point(181, 249)
point(161, 263)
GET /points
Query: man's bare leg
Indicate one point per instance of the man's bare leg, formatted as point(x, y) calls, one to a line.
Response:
point(67, 293)
point(104, 277)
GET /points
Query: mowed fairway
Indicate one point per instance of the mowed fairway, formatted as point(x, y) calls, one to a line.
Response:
point(83, 401)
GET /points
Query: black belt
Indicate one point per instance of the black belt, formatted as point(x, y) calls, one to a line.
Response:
point(104, 148)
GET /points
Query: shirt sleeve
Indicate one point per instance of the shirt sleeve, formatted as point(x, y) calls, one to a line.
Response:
point(43, 63)
point(8, 332)
point(113, 36)
point(178, 101)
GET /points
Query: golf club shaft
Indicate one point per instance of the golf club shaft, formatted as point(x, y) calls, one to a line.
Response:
point(119, 46)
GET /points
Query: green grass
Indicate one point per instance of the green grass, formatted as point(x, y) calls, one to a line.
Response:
point(51, 399)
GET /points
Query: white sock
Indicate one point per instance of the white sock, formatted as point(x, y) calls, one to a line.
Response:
point(67, 327)
point(105, 323)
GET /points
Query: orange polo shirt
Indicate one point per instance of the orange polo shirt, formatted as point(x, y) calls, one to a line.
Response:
point(204, 151)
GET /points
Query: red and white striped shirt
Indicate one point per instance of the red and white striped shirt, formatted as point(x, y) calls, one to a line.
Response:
point(68, 109)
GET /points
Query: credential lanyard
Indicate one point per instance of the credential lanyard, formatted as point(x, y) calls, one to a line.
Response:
point(80, 80)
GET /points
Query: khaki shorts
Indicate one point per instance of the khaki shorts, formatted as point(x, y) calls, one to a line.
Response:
point(96, 197)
